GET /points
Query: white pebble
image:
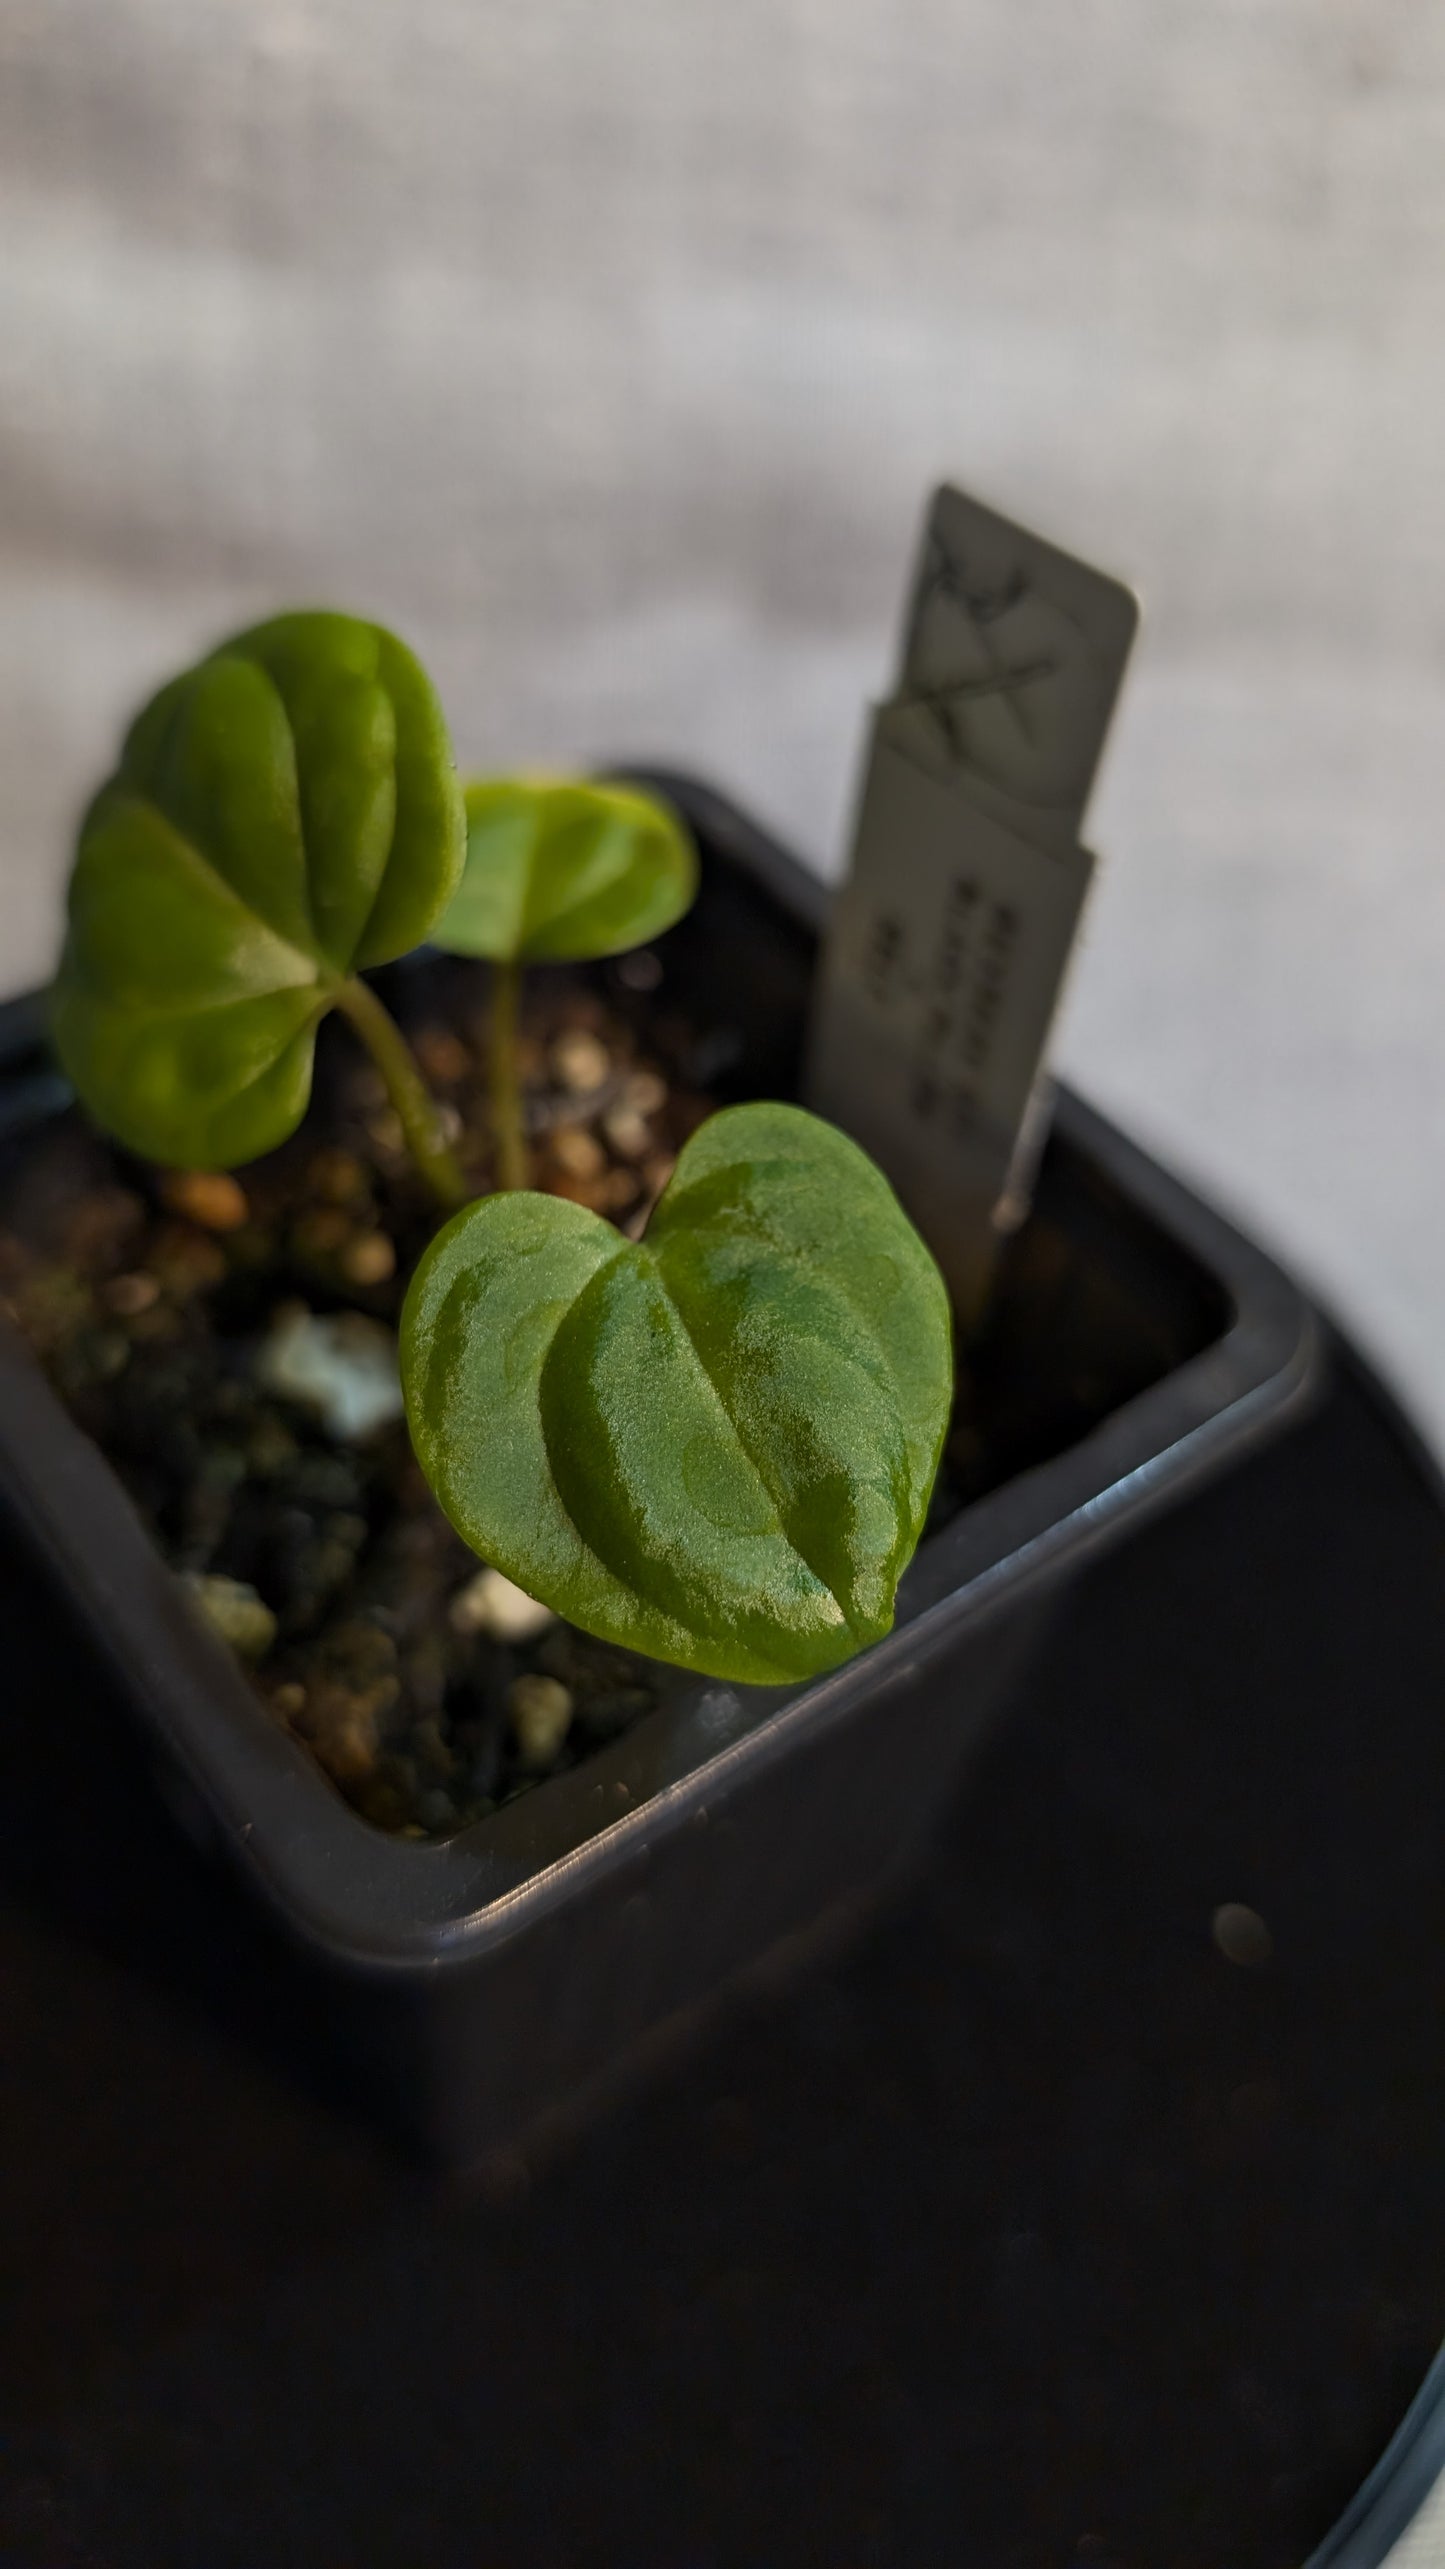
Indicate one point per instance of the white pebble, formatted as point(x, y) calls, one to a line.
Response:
point(629, 1133)
point(645, 1092)
point(494, 1604)
point(540, 1712)
point(345, 1368)
point(233, 1609)
point(579, 1061)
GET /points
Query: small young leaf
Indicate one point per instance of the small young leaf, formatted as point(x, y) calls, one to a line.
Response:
point(715, 1445)
point(283, 815)
point(561, 873)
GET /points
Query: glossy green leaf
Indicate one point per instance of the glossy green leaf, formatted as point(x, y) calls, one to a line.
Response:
point(560, 873)
point(283, 815)
point(715, 1445)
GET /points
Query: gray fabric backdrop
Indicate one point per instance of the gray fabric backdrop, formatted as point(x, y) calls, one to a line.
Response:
point(607, 347)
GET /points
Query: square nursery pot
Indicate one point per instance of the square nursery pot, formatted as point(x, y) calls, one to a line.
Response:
point(514, 1970)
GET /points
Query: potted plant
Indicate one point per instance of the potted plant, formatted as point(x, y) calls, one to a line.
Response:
point(687, 1398)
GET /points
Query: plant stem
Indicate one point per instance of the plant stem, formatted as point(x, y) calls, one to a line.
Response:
point(506, 1087)
point(415, 1106)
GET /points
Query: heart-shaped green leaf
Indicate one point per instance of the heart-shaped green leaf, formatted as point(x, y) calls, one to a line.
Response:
point(283, 815)
point(560, 873)
point(715, 1445)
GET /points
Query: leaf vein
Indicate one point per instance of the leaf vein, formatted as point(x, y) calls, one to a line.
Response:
point(203, 864)
point(776, 1496)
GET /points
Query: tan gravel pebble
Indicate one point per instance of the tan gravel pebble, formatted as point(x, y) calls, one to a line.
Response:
point(540, 1712)
point(338, 1177)
point(645, 1093)
point(386, 1131)
point(442, 1055)
point(579, 1062)
point(588, 1191)
point(494, 1604)
point(130, 1295)
point(628, 1132)
point(208, 1196)
point(233, 1609)
point(369, 1260)
point(321, 1232)
point(577, 1153)
point(186, 1261)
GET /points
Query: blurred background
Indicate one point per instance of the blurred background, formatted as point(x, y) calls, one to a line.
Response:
point(608, 348)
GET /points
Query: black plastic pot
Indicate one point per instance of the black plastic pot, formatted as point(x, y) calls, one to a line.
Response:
point(1411, 2470)
point(501, 1975)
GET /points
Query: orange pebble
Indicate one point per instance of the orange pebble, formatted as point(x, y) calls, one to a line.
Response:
point(207, 1196)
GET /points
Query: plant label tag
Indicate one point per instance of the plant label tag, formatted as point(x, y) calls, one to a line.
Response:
point(1013, 657)
point(952, 933)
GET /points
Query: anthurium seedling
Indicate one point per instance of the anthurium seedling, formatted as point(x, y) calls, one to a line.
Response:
point(284, 816)
point(557, 872)
point(716, 1444)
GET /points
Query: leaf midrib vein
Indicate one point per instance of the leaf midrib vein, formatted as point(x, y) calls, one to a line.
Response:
point(775, 1496)
point(549, 924)
point(195, 855)
point(321, 962)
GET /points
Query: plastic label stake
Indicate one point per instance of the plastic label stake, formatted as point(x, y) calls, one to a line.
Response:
point(952, 932)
